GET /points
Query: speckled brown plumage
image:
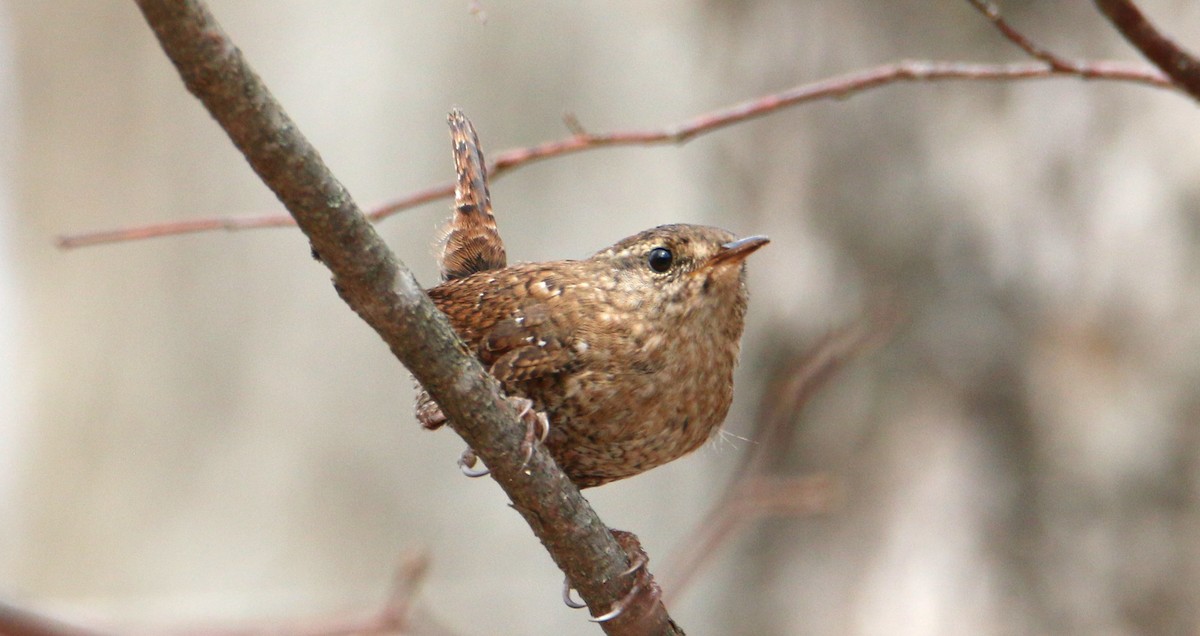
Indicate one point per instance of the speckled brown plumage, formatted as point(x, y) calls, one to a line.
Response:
point(630, 353)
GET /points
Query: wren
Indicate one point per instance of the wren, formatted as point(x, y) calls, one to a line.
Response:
point(628, 354)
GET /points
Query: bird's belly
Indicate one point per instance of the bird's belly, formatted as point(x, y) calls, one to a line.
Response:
point(615, 424)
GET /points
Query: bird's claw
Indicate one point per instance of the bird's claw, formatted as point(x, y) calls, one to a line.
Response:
point(569, 600)
point(537, 427)
point(466, 463)
point(637, 562)
point(618, 607)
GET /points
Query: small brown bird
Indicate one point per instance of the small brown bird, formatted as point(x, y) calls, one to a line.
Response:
point(628, 356)
point(629, 353)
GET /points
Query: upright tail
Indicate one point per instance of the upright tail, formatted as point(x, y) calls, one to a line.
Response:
point(472, 242)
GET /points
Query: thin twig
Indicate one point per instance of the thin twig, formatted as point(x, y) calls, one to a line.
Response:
point(992, 13)
point(838, 87)
point(386, 295)
point(1182, 66)
point(392, 618)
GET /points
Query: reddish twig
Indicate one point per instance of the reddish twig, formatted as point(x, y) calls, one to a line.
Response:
point(395, 617)
point(1181, 66)
point(838, 87)
point(233, 224)
point(753, 493)
point(992, 13)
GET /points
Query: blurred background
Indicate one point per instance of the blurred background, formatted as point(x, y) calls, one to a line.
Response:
point(196, 432)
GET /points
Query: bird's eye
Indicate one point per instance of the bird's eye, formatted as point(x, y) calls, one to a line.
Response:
point(660, 259)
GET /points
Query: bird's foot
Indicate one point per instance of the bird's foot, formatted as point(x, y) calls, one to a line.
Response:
point(537, 426)
point(641, 581)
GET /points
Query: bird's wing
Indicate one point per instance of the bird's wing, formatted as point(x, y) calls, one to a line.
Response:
point(522, 322)
point(532, 343)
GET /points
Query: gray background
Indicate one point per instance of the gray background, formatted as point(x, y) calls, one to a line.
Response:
point(196, 430)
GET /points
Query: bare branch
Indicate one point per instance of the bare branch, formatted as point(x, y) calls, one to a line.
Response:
point(838, 87)
point(1158, 48)
point(386, 295)
point(394, 617)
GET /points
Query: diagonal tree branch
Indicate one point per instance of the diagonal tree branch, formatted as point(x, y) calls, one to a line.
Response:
point(1176, 62)
point(386, 295)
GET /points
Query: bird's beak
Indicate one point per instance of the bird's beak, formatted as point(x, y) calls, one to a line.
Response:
point(737, 251)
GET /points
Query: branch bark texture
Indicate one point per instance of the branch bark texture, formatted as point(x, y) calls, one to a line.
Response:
point(1176, 62)
point(386, 295)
